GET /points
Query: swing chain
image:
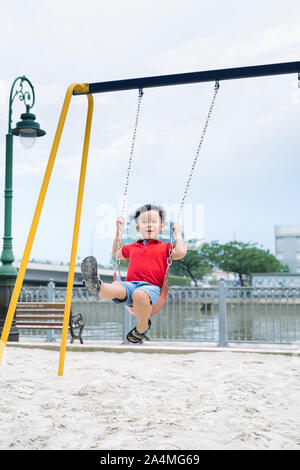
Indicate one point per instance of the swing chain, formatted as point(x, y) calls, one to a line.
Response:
point(216, 89)
point(131, 151)
point(124, 201)
point(169, 258)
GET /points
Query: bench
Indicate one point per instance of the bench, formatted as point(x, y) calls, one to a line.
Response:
point(48, 316)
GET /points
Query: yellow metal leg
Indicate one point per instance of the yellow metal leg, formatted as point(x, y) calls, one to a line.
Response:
point(35, 221)
point(64, 335)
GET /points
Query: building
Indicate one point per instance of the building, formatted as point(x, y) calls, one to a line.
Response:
point(218, 275)
point(288, 280)
point(287, 246)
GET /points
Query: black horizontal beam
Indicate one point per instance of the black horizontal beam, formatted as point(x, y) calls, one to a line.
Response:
point(195, 77)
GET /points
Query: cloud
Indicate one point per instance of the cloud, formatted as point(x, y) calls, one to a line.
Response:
point(280, 43)
point(296, 93)
point(253, 126)
point(205, 51)
point(3, 92)
point(195, 54)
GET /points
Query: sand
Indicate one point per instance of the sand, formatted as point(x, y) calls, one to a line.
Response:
point(105, 400)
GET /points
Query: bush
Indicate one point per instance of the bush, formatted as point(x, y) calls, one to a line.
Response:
point(179, 281)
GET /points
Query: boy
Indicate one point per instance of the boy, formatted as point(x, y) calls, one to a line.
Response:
point(146, 270)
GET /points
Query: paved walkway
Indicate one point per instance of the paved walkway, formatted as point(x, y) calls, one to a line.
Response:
point(153, 347)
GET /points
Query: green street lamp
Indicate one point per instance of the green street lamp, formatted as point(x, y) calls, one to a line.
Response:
point(28, 130)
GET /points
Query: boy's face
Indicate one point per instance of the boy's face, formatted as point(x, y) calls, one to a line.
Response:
point(149, 224)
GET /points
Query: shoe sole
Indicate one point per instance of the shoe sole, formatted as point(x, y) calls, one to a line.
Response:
point(89, 271)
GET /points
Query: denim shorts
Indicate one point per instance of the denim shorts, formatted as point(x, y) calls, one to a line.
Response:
point(131, 286)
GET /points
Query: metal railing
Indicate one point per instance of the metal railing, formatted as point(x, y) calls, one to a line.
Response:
point(220, 315)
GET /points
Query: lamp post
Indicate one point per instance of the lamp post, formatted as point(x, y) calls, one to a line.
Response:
point(28, 130)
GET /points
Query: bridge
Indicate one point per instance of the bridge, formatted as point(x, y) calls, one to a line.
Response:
point(39, 274)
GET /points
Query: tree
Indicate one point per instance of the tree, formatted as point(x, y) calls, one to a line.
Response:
point(241, 258)
point(194, 264)
point(123, 263)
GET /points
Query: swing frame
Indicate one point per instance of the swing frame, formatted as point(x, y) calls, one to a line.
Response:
point(89, 90)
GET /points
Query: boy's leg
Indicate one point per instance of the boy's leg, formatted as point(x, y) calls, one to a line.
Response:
point(142, 309)
point(113, 291)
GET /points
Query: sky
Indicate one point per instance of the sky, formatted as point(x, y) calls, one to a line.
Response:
point(247, 178)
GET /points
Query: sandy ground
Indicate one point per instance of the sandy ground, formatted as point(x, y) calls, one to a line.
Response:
point(106, 400)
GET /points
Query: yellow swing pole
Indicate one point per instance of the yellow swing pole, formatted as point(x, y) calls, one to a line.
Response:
point(36, 218)
point(68, 301)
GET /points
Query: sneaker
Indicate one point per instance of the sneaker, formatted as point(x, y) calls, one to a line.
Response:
point(89, 271)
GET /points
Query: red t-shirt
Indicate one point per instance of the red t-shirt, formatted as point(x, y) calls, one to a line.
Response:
point(147, 262)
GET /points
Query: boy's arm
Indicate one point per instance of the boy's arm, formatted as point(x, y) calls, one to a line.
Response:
point(179, 251)
point(121, 222)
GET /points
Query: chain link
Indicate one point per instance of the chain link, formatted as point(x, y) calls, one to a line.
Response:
point(124, 198)
point(173, 239)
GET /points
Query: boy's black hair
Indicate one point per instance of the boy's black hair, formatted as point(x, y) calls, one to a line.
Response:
point(150, 207)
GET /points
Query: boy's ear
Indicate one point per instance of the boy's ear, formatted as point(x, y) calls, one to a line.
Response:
point(137, 228)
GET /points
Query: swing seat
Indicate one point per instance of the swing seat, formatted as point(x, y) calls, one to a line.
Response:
point(158, 305)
